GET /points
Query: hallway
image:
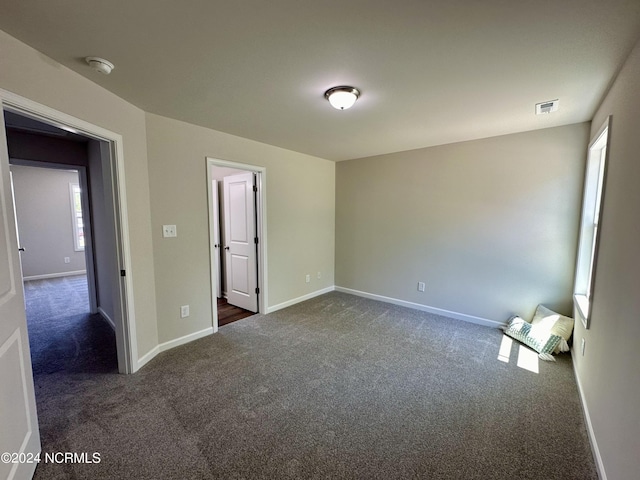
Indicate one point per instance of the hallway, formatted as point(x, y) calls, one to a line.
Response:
point(63, 335)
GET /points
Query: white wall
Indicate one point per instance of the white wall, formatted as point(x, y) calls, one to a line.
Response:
point(32, 75)
point(609, 370)
point(218, 173)
point(489, 225)
point(300, 193)
point(43, 208)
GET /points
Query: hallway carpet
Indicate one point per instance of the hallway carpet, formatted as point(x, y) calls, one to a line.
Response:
point(335, 387)
point(63, 335)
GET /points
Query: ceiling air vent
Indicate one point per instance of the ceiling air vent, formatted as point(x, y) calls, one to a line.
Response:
point(547, 107)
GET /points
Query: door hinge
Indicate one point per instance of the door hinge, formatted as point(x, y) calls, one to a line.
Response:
point(123, 273)
point(256, 240)
point(257, 290)
point(255, 188)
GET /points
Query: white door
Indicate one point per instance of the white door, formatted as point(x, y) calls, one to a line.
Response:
point(240, 241)
point(18, 420)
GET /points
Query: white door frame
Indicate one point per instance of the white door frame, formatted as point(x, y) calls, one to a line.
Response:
point(125, 318)
point(261, 212)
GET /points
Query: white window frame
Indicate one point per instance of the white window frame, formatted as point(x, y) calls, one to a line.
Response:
point(78, 230)
point(591, 222)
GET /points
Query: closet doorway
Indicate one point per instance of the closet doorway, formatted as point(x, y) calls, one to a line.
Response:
point(236, 225)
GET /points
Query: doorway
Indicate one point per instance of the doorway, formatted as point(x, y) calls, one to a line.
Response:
point(67, 331)
point(107, 264)
point(237, 230)
point(18, 403)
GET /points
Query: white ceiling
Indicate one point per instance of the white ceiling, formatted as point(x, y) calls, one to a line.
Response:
point(430, 71)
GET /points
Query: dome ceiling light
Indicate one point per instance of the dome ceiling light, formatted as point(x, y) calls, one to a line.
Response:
point(342, 98)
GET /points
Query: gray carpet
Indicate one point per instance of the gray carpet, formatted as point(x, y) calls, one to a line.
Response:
point(335, 387)
point(63, 335)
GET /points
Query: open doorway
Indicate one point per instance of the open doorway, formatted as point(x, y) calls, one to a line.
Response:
point(23, 427)
point(101, 181)
point(67, 332)
point(237, 240)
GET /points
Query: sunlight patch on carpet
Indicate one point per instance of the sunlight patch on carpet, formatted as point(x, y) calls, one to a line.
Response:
point(528, 359)
point(505, 349)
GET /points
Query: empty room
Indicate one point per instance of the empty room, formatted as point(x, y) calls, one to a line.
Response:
point(327, 240)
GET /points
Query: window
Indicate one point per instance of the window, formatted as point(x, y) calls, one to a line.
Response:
point(76, 217)
point(591, 221)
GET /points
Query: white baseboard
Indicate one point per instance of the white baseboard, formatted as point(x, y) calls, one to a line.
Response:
point(146, 358)
point(293, 301)
point(592, 436)
point(176, 342)
point(425, 308)
point(106, 316)
point(55, 275)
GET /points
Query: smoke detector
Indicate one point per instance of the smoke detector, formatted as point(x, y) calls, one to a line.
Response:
point(100, 65)
point(547, 107)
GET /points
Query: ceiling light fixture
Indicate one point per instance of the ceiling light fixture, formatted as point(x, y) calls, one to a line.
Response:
point(342, 97)
point(100, 64)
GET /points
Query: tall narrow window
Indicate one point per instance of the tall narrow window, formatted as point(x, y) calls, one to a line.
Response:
point(76, 217)
point(590, 224)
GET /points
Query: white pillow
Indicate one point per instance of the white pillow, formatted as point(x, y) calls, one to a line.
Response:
point(556, 324)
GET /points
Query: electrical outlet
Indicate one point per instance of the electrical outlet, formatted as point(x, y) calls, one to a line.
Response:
point(421, 286)
point(319, 275)
point(307, 278)
point(169, 231)
point(184, 311)
point(67, 260)
point(582, 346)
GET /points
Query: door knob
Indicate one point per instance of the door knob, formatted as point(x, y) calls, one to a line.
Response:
point(21, 249)
point(226, 248)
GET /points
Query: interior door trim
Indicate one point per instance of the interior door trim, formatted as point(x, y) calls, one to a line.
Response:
point(261, 212)
point(126, 336)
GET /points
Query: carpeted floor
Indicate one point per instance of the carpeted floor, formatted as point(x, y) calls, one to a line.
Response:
point(335, 387)
point(63, 335)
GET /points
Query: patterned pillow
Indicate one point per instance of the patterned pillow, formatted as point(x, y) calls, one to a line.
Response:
point(556, 324)
point(540, 339)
